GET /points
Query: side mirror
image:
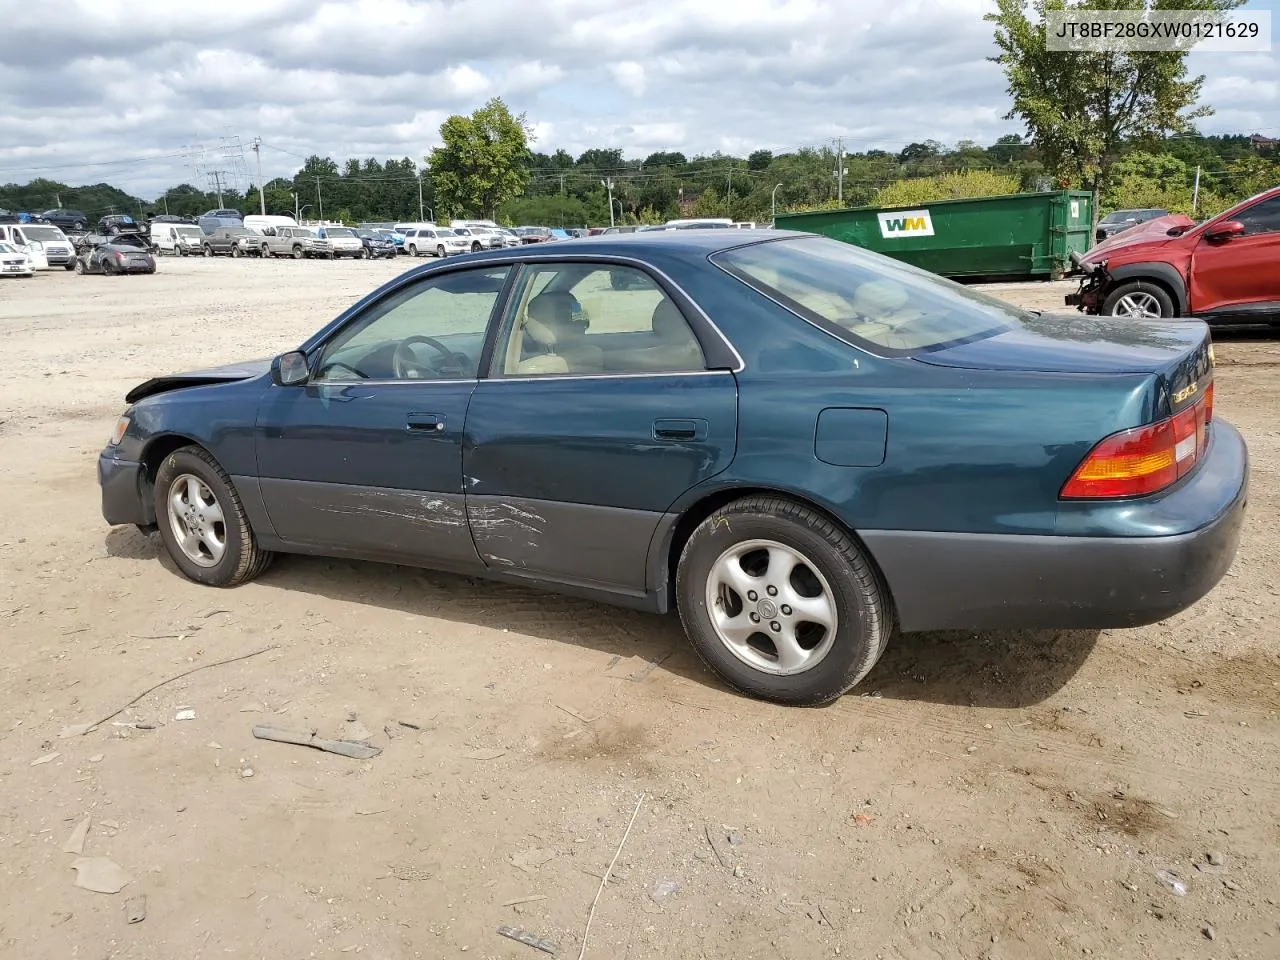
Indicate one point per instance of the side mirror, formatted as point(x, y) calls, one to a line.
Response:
point(1225, 231)
point(289, 369)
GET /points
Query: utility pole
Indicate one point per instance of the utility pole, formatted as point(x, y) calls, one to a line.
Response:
point(256, 143)
point(562, 184)
point(1195, 192)
point(728, 194)
point(319, 200)
point(420, 206)
point(607, 183)
point(295, 205)
point(217, 186)
point(840, 169)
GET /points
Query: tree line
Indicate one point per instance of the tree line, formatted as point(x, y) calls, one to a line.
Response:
point(563, 190)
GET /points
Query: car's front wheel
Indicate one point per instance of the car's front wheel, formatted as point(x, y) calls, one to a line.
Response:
point(440, 252)
point(69, 265)
point(202, 522)
point(1139, 300)
point(780, 602)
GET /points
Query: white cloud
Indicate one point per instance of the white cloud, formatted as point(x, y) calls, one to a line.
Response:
point(376, 78)
point(630, 77)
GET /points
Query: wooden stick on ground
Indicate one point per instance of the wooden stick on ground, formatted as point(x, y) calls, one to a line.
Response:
point(605, 879)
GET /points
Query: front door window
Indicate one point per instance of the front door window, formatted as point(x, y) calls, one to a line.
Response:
point(433, 330)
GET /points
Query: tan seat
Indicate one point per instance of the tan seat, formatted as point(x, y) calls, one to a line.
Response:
point(676, 348)
point(552, 324)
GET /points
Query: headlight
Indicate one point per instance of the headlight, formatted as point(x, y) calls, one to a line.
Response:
point(117, 434)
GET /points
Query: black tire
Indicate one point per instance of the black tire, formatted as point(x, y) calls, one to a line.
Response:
point(298, 252)
point(1152, 292)
point(440, 252)
point(362, 254)
point(208, 250)
point(108, 269)
point(475, 247)
point(78, 266)
point(70, 264)
point(863, 616)
point(236, 252)
point(242, 559)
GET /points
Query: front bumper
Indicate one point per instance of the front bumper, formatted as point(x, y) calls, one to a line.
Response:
point(59, 258)
point(964, 581)
point(122, 486)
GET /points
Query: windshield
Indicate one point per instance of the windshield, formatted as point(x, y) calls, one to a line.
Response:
point(42, 233)
point(882, 305)
point(339, 232)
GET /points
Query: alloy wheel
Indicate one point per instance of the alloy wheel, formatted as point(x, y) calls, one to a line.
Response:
point(196, 518)
point(771, 607)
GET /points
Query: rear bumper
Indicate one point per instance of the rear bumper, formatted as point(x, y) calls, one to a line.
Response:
point(122, 498)
point(960, 581)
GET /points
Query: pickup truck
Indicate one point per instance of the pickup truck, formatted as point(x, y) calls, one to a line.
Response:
point(233, 242)
point(296, 242)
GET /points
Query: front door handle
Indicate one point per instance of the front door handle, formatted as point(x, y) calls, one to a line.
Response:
point(431, 422)
point(686, 430)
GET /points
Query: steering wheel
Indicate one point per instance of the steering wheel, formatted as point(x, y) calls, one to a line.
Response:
point(406, 365)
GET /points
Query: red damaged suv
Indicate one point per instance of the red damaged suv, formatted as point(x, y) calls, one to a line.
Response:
point(1225, 270)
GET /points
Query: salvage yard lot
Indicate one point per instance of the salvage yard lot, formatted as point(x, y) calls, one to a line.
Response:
point(1005, 795)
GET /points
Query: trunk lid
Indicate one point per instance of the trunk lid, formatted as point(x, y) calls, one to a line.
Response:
point(1179, 353)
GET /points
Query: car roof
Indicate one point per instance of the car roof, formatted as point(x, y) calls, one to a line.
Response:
point(697, 243)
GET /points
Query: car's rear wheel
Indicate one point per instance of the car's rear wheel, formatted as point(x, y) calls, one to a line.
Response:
point(208, 250)
point(202, 522)
point(1139, 300)
point(780, 602)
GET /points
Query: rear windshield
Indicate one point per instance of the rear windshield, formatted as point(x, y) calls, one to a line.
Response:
point(871, 301)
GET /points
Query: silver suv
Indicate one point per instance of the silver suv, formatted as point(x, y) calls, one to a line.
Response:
point(437, 241)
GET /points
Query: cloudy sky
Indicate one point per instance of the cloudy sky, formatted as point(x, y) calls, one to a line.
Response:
point(118, 91)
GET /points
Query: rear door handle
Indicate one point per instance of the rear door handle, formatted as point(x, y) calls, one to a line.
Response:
point(432, 422)
point(686, 430)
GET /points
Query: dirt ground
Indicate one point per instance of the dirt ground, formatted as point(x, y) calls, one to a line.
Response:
point(979, 796)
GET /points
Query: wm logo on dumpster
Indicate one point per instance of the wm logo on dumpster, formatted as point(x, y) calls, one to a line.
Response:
point(905, 223)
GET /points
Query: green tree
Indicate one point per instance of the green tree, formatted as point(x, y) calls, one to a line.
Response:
point(708, 204)
point(483, 162)
point(947, 186)
point(1080, 107)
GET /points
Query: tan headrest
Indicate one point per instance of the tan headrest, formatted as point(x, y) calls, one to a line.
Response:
point(668, 323)
point(879, 296)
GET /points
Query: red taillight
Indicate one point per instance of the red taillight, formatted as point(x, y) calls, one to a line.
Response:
point(1144, 460)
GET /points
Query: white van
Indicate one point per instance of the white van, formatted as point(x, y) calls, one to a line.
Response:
point(177, 239)
point(265, 224)
point(42, 242)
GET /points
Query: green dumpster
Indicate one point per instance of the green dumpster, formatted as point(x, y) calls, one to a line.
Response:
point(1019, 235)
